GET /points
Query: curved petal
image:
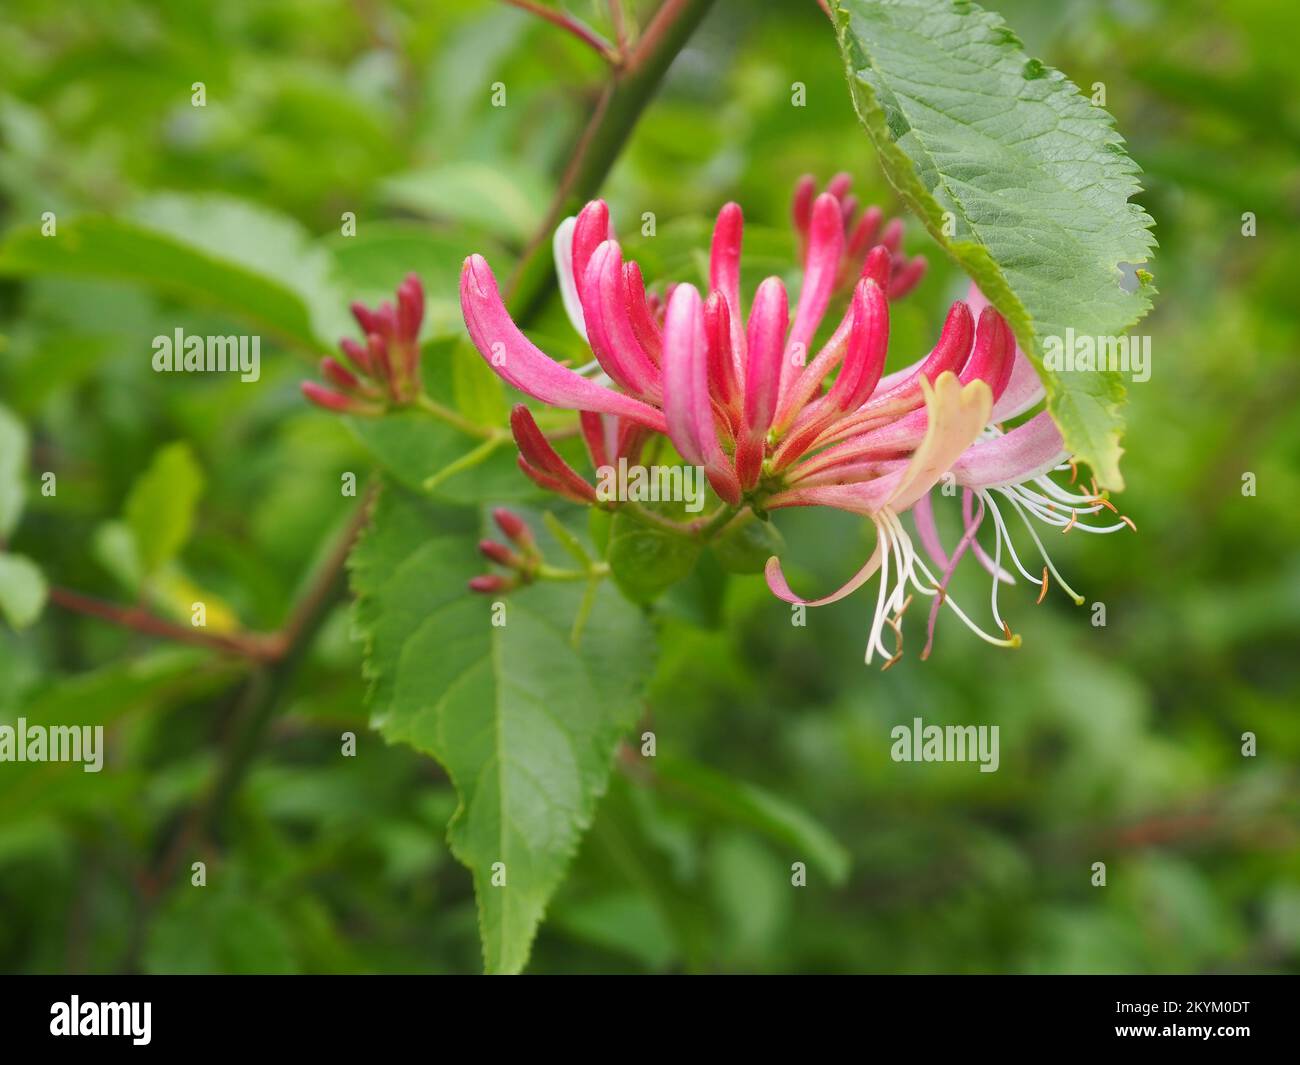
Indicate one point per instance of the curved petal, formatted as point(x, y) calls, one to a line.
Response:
point(517, 361)
point(781, 589)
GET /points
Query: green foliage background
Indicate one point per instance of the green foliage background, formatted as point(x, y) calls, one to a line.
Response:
point(1119, 744)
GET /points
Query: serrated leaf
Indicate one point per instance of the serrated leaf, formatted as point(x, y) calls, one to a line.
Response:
point(525, 725)
point(13, 470)
point(646, 561)
point(1030, 177)
point(22, 590)
point(160, 506)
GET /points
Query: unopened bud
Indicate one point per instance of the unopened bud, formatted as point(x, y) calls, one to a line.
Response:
point(499, 553)
point(514, 527)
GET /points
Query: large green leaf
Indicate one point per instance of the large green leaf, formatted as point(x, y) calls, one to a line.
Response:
point(1030, 176)
point(525, 725)
point(252, 262)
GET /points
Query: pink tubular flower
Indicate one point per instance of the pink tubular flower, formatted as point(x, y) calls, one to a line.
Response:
point(385, 370)
point(861, 232)
point(774, 420)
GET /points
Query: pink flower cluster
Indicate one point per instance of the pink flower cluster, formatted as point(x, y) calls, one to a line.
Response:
point(383, 371)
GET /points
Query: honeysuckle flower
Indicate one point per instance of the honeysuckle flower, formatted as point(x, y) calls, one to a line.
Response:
point(736, 393)
point(1016, 465)
point(679, 366)
point(384, 370)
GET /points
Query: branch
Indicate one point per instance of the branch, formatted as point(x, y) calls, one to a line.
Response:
point(257, 707)
point(621, 102)
point(257, 646)
point(575, 26)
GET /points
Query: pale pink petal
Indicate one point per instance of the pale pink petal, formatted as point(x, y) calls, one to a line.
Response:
point(928, 532)
point(1027, 451)
point(781, 588)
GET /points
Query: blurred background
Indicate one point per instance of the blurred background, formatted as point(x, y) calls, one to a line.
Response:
point(1120, 743)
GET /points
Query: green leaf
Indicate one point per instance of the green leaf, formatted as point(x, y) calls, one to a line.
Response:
point(373, 263)
point(413, 446)
point(160, 507)
point(214, 250)
point(507, 201)
point(115, 548)
point(747, 547)
point(13, 470)
point(1031, 178)
point(646, 561)
point(525, 725)
point(478, 392)
point(22, 590)
point(750, 805)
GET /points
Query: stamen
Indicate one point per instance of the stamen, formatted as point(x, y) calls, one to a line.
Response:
point(1078, 599)
point(1002, 531)
point(1043, 594)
